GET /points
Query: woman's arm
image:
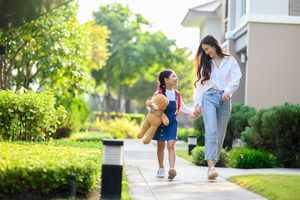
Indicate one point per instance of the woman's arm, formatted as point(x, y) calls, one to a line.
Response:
point(235, 74)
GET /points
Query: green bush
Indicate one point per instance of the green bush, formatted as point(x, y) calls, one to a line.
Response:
point(47, 168)
point(199, 157)
point(251, 158)
point(78, 112)
point(183, 133)
point(90, 136)
point(138, 118)
point(28, 115)
point(239, 120)
point(122, 128)
point(276, 130)
point(118, 127)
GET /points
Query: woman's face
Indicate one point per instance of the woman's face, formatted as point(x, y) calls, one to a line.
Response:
point(209, 50)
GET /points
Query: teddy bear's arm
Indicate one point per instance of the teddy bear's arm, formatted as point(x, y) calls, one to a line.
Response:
point(165, 119)
point(149, 103)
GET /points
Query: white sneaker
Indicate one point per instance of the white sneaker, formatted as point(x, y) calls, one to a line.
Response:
point(212, 173)
point(161, 173)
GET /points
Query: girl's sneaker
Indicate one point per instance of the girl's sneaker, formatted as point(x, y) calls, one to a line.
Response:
point(161, 173)
point(212, 173)
point(172, 173)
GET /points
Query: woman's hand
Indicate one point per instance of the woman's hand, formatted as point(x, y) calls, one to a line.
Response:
point(226, 96)
point(197, 110)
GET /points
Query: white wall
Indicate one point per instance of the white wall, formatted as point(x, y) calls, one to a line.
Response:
point(213, 26)
point(267, 7)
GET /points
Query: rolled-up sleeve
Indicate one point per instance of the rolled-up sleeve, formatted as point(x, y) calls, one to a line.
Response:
point(198, 94)
point(235, 74)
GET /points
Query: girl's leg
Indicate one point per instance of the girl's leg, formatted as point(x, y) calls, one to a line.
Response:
point(172, 157)
point(172, 153)
point(160, 153)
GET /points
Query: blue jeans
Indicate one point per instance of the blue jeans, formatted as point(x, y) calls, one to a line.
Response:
point(216, 114)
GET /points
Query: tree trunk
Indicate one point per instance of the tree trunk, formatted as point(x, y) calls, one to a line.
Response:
point(1, 68)
point(120, 96)
point(127, 101)
point(27, 75)
point(107, 94)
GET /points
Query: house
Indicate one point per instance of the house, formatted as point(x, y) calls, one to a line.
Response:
point(263, 36)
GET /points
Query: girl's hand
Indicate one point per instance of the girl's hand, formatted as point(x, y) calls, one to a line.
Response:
point(197, 111)
point(225, 96)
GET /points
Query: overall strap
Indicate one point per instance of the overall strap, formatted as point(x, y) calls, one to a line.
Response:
point(178, 101)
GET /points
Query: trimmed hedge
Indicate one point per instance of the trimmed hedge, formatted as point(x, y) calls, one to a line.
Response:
point(90, 136)
point(138, 118)
point(276, 130)
point(239, 120)
point(47, 168)
point(28, 116)
point(183, 133)
point(199, 157)
point(251, 158)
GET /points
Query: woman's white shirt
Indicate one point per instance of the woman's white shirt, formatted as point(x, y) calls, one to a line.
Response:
point(226, 77)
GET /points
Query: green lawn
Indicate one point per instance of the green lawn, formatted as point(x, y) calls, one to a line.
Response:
point(274, 186)
point(184, 154)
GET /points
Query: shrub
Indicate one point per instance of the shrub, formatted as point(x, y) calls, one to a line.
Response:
point(28, 115)
point(239, 120)
point(78, 112)
point(90, 136)
point(199, 157)
point(122, 128)
point(183, 133)
point(138, 118)
point(118, 127)
point(276, 130)
point(46, 168)
point(251, 158)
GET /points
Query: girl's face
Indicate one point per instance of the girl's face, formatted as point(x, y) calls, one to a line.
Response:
point(209, 50)
point(172, 81)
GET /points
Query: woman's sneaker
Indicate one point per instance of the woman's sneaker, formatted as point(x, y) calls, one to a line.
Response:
point(212, 173)
point(172, 173)
point(161, 173)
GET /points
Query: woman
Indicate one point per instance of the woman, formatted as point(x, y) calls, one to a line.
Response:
point(217, 78)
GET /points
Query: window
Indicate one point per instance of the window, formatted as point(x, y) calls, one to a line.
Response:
point(294, 7)
point(243, 7)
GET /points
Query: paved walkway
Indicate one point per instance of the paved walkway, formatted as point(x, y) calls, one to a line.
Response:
point(190, 183)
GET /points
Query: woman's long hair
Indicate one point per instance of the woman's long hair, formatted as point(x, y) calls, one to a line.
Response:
point(202, 60)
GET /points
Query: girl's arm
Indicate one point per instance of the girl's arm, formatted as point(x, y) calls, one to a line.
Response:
point(185, 109)
point(148, 108)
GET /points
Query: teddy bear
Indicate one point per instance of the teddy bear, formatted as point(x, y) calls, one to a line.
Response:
point(155, 117)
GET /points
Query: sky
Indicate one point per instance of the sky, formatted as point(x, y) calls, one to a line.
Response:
point(164, 15)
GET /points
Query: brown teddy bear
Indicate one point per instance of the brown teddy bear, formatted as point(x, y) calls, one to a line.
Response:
point(155, 117)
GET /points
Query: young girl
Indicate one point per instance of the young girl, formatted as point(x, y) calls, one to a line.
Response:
point(167, 82)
